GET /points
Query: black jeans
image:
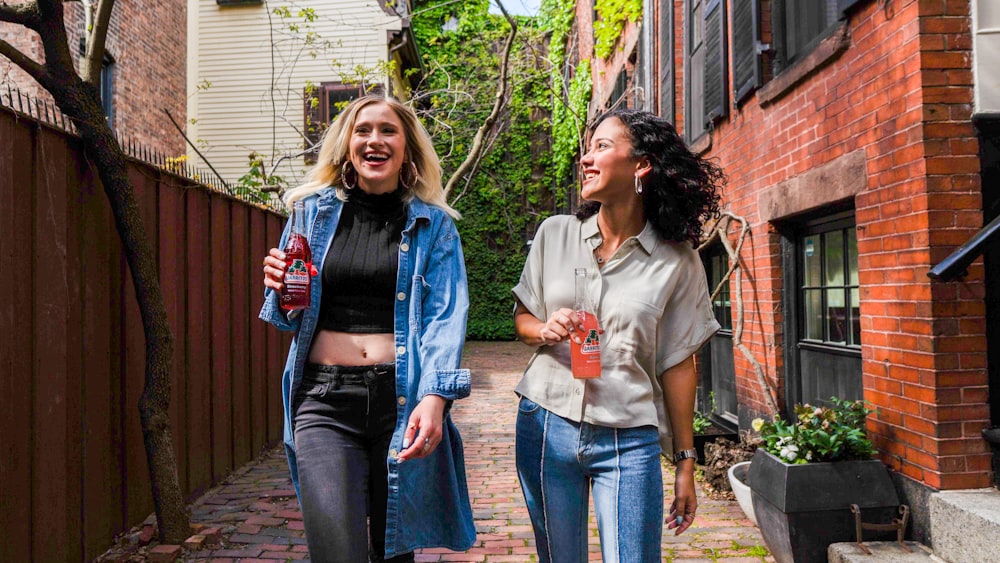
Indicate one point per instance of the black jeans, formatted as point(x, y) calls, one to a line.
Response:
point(344, 419)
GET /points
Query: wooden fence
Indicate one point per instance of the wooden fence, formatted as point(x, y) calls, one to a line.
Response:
point(73, 469)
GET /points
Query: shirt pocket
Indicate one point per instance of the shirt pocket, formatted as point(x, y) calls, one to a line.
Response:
point(632, 328)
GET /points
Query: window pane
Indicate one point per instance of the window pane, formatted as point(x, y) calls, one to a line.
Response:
point(852, 256)
point(834, 251)
point(813, 301)
point(810, 261)
point(338, 100)
point(836, 315)
point(855, 318)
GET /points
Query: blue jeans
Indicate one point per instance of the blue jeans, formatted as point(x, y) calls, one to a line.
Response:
point(344, 418)
point(559, 460)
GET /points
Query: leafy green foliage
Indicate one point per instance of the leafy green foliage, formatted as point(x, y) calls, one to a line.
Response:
point(612, 15)
point(569, 111)
point(702, 421)
point(510, 190)
point(828, 433)
point(251, 184)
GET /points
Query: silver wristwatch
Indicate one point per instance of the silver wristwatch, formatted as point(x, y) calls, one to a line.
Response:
point(685, 454)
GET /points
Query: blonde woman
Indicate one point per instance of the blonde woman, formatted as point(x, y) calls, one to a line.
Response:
point(374, 364)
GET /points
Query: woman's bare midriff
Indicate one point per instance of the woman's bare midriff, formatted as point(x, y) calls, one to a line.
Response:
point(334, 348)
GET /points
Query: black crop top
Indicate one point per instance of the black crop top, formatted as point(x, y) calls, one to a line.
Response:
point(359, 273)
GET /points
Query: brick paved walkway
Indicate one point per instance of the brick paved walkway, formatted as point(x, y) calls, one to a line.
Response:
point(254, 515)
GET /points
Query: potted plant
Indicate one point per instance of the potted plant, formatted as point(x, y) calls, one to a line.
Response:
point(807, 474)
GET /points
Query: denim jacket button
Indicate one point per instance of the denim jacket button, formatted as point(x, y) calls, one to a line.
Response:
point(400, 350)
point(404, 247)
point(393, 452)
point(401, 400)
point(401, 296)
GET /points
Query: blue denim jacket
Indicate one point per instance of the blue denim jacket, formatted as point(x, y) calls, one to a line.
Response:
point(428, 498)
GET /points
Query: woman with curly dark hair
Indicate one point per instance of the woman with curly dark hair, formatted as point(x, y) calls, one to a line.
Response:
point(648, 199)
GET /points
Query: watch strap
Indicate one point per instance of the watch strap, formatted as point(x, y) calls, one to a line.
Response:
point(685, 454)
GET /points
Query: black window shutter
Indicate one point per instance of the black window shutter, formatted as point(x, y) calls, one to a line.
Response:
point(666, 29)
point(715, 62)
point(746, 61)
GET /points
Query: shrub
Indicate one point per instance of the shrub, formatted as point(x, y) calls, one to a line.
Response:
point(828, 433)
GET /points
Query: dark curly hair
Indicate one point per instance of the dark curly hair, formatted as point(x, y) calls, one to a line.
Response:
point(681, 192)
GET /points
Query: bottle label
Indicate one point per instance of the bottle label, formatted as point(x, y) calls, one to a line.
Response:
point(297, 273)
point(592, 343)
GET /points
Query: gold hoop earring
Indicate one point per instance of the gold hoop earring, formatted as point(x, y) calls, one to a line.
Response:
point(416, 175)
point(345, 170)
point(638, 186)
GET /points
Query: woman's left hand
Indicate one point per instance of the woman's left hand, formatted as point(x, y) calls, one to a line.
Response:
point(685, 502)
point(423, 432)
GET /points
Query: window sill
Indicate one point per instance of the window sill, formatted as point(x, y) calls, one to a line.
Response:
point(701, 145)
point(826, 52)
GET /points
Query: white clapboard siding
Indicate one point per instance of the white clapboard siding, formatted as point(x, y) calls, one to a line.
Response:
point(229, 50)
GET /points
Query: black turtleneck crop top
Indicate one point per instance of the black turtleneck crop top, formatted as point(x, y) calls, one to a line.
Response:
point(359, 273)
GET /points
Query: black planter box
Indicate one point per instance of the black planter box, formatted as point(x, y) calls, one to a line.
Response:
point(802, 509)
point(701, 439)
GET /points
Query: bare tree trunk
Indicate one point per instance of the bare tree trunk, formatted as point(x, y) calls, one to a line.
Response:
point(80, 101)
point(478, 143)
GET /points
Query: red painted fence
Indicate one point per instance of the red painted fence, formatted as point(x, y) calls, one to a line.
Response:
point(73, 467)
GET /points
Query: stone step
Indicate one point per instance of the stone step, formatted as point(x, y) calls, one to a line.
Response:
point(882, 552)
point(965, 525)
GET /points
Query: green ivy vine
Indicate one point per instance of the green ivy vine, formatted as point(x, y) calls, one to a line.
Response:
point(510, 191)
point(569, 111)
point(612, 15)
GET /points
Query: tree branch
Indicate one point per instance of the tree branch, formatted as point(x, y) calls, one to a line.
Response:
point(720, 229)
point(193, 146)
point(21, 14)
point(97, 37)
point(27, 64)
point(475, 153)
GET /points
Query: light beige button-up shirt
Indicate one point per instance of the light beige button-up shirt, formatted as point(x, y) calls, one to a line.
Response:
point(652, 302)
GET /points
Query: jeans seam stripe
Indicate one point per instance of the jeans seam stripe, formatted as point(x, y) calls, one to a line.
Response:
point(618, 496)
point(541, 479)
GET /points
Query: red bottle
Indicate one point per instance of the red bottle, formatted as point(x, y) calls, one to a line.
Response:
point(585, 358)
point(297, 284)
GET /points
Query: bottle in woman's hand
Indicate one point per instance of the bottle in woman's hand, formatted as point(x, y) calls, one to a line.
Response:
point(297, 281)
point(585, 359)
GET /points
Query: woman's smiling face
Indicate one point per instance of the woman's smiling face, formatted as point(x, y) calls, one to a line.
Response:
point(608, 167)
point(377, 148)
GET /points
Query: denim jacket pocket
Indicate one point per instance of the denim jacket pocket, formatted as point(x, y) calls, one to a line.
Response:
point(418, 288)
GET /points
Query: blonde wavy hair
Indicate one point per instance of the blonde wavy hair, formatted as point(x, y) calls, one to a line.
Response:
point(336, 146)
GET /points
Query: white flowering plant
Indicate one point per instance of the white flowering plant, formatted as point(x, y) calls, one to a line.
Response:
point(829, 433)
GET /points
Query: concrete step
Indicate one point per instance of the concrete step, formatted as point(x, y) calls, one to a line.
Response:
point(965, 525)
point(881, 552)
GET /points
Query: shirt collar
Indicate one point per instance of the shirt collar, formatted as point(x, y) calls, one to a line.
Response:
point(592, 235)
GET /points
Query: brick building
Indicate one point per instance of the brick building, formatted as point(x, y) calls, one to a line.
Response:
point(851, 132)
point(144, 71)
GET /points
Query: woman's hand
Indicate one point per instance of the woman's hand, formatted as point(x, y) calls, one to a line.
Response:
point(274, 270)
point(423, 432)
point(561, 326)
point(685, 502)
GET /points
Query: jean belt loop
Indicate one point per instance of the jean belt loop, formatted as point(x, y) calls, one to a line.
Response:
point(336, 381)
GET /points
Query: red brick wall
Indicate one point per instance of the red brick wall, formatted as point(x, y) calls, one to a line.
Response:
point(148, 42)
point(900, 95)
